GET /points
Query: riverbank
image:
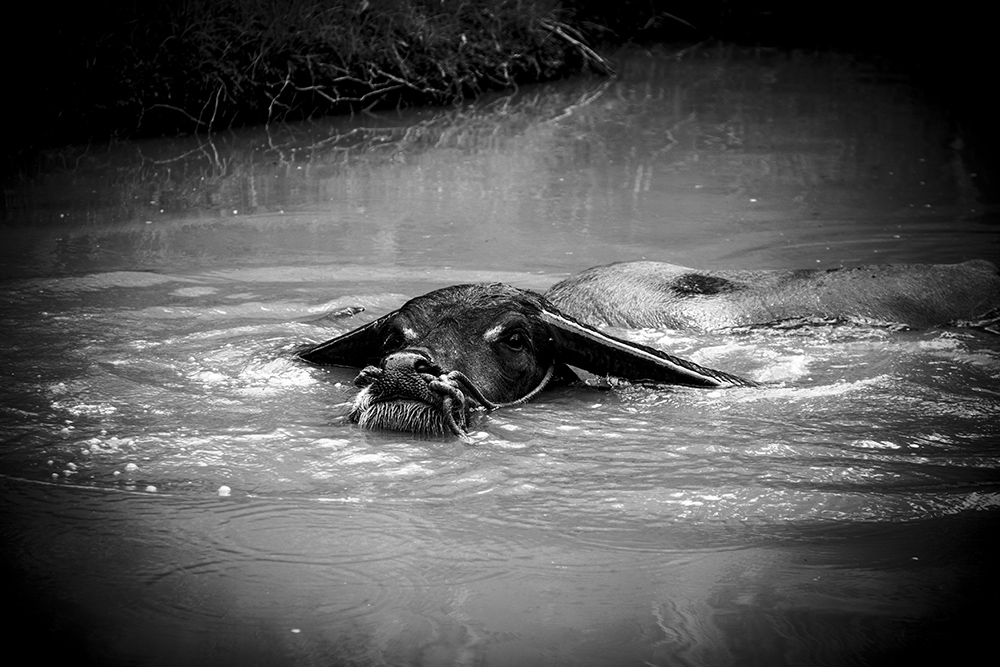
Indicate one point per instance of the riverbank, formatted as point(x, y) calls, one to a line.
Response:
point(117, 69)
point(143, 69)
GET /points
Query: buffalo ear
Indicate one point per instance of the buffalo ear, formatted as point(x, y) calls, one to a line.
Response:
point(361, 347)
point(585, 347)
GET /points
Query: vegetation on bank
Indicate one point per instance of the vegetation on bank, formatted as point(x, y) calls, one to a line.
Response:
point(201, 65)
point(126, 68)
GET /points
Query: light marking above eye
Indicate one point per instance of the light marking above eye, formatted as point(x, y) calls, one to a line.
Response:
point(409, 334)
point(493, 333)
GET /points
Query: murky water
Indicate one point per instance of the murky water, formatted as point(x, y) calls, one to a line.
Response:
point(841, 514)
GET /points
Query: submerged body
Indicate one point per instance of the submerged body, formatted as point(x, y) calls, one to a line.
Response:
point(428, 365)
point(657, 294)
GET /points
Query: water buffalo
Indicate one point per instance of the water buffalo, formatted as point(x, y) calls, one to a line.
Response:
point(656, 294)
point(426, 366)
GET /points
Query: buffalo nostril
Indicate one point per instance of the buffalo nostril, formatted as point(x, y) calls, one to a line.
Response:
point(367, 375)
point(409, 360)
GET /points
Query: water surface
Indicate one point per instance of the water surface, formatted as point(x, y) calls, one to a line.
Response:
point(177, 489)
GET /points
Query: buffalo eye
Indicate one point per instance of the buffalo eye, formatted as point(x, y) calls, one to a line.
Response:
point(516, 340)
point(394, 340)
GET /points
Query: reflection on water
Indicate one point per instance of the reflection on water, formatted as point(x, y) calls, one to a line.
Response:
point(153, 295)
point(718, 160)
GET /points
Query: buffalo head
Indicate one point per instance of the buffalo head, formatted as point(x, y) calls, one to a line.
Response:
point(426, 366)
